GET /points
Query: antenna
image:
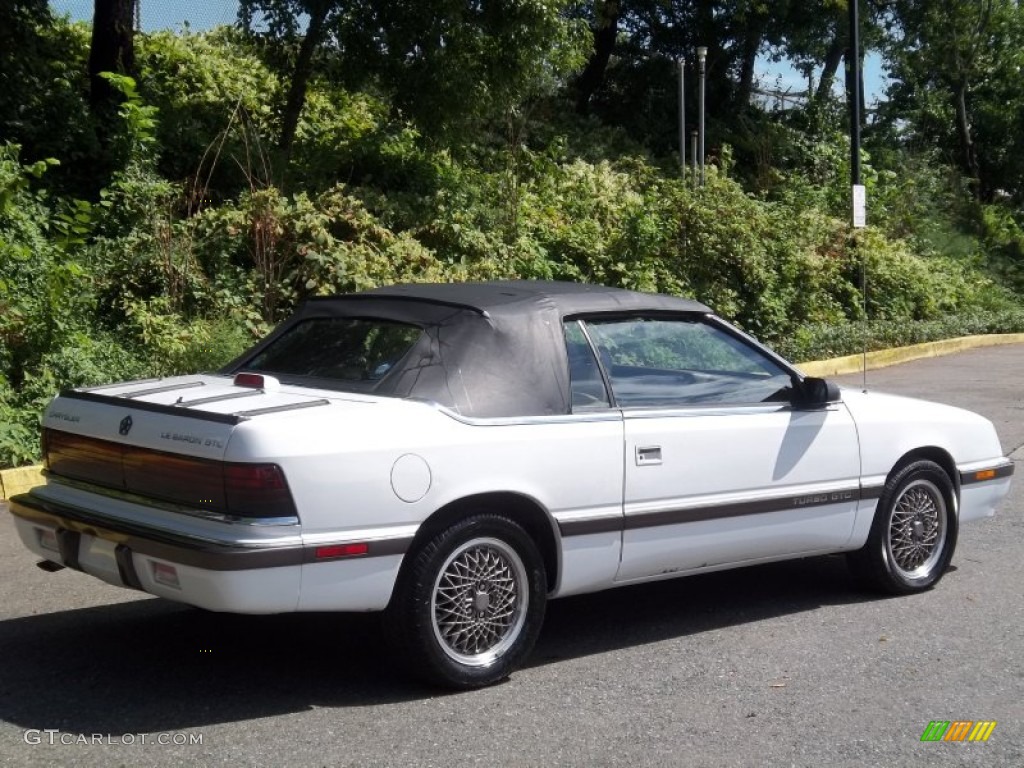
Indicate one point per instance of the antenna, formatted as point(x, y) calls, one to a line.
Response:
point(857, 193)
point(865, 330)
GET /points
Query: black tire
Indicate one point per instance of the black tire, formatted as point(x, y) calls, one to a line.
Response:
point(469, 606)
point(913, 534)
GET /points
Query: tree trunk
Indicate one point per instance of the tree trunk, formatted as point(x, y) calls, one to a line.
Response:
point(112, 48)
point(850, 85)
point(968, 152)
point(300, 79)
point(606, 31)
point(751, 45)
point(833, 58)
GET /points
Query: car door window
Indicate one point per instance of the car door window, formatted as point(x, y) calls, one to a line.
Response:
point(665, 362)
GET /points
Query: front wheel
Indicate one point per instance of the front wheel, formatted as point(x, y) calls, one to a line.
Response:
point(469, 607)
point(913, 534)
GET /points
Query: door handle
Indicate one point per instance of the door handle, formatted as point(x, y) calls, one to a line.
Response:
point(648, 455)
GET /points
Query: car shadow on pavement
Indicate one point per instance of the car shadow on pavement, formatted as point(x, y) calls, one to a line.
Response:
point(680, 608)
point(151, 665)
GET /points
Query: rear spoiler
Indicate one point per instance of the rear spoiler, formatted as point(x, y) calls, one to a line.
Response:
point(188, 413)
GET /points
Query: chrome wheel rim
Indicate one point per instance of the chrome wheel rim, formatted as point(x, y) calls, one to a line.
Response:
point(917, 530)
point(478, 605)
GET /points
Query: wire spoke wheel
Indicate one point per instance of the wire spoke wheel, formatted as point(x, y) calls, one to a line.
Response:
point(469, 604)
point(479, 601)
point(913, 534)
point(917, 529)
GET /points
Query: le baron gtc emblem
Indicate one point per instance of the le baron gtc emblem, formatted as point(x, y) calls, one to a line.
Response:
point(125, 426)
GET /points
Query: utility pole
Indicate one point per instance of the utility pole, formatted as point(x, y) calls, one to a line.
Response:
point(857, 196)
point(858, 201)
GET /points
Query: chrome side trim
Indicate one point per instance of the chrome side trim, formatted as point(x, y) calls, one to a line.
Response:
point(708, 409)
point(216, 398)
point(610, 414)
point(279, 408)
point(588, 521)
point(158, 390)
point(118, 384)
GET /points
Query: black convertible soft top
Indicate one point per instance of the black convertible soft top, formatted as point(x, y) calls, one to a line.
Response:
point(489, 349)
point(524, 296)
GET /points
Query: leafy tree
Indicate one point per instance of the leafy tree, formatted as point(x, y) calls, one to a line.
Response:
point(42, 85)
point(443, 61)
point(957, 69)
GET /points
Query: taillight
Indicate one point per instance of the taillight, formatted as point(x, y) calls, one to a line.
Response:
point(171, 476)
point(236, 489)
point(84, 458)
point(257, 490)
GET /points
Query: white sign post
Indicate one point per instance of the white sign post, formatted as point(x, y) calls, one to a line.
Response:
point(860, 216)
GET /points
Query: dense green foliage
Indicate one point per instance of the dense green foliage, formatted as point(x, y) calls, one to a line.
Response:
point(180, 239)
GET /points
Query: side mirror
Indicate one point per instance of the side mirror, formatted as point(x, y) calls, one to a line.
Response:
point(815, 393)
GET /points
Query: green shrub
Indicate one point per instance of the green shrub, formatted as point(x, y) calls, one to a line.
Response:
point(822, 342)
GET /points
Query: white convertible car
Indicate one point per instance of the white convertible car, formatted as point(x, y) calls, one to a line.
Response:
point(457, 455)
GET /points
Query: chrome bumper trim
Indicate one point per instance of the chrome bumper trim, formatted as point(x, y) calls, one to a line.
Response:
point(209, 554)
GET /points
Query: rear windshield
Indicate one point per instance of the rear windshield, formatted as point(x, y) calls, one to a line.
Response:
point(355, 351)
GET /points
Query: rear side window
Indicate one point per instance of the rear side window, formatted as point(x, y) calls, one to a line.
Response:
point(341, 349)
point(585, 382)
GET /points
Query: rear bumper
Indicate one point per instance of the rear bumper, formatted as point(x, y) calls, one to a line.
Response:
point(219, 575)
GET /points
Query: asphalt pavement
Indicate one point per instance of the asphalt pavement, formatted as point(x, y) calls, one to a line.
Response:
point(779, 665)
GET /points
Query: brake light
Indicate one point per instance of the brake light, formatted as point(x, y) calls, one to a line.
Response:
point(257, 381)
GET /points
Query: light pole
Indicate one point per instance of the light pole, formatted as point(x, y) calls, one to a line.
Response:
point(682, 116)
point(702, 55)
point(693, 155)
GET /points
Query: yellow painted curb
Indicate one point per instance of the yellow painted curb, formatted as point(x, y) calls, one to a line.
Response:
point(884, 357)
point(19, 480)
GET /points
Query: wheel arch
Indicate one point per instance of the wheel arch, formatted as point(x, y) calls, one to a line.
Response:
point(939, 456)
point(522, 509)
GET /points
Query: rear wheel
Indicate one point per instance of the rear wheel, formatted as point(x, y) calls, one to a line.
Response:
point(913, 534)
point(469, 607)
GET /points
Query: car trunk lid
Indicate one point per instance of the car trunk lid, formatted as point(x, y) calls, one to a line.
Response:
point(167, 440)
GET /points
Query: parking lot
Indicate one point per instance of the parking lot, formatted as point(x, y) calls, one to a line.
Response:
point(786, 664)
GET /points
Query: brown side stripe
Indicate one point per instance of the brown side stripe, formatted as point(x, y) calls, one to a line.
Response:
point(716, 512)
